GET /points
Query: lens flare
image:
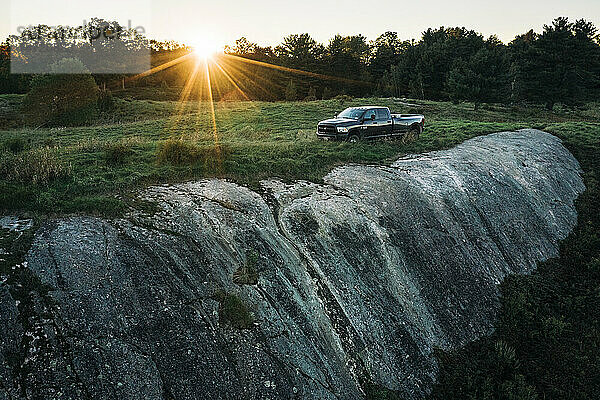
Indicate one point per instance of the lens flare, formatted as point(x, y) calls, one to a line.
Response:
point(205, 48)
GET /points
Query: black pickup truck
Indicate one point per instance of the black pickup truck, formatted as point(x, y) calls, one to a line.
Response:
point(360, 123)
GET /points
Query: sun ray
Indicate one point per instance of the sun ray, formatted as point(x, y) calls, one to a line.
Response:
point(213, 116)
point(296, 71)
point(245, 76)
point(181, 103)
point(161, 67)
point(230, 79)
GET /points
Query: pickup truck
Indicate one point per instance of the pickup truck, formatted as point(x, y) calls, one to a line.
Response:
point(361, 123)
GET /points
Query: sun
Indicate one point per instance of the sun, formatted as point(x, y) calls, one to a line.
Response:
point(205, 48)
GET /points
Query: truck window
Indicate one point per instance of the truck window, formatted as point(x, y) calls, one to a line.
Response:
point(351, 113)
point(382, 114)
point(368, 114)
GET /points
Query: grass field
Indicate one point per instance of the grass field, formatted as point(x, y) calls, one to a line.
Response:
point(93, 169)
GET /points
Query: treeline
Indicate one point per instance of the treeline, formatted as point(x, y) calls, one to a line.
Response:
point(560, 64)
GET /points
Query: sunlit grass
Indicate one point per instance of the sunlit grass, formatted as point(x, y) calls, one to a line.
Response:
point(256, 140)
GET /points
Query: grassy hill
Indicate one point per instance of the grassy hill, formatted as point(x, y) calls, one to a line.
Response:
point(94, 168)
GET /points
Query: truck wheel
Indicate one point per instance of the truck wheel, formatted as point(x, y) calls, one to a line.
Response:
point(354, 138)
point(413, 133)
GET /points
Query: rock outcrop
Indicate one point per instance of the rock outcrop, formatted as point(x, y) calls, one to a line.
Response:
point(349, 282)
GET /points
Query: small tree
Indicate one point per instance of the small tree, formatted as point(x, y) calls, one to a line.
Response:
point(291, 93)
point(312, 94)
point(327, 93)
point(67, 96)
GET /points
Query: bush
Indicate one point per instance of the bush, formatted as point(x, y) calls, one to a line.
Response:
point(68, 96)
point(106, 102)
point(327, 94)
point(177, 152)
point(181, 152)
point(15, 145)
point(233, 311)
point(343, 98)
point(35, 166)
point(117, 153)
point(312, 95)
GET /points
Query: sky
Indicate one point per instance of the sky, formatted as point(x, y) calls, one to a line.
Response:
point(266, 22)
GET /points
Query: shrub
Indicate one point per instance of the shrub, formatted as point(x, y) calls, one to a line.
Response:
point(106, 102)
point(177, 152)
point(343, 98)
point(68, 96)
point(233, 311)
point(181, 152)
point(117, 153)
point(34, 166)
point(15, 145)
point(327, 93)
point(312, 95)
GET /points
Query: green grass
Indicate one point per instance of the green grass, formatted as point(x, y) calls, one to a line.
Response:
point(125, 150)
point(233, 311)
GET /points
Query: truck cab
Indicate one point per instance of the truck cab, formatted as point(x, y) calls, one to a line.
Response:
point(369, 122)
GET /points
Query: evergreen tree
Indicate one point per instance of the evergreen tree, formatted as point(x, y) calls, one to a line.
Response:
point(560, 65)
point(483, 78)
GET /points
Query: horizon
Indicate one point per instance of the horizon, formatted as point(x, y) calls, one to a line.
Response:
point(222, 24)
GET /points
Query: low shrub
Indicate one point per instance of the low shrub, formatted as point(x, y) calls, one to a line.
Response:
point(15, 145)
point(38, 166)
point(67, 97)
point(343, 98)
point(177, 152)
point(182, 152)
point(291, 93)
point(312, 95)
point(117, 153)
point(233, 311)
point(327, 93)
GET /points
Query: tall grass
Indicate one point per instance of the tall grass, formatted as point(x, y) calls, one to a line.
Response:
point(151, 142)
point(37, 166)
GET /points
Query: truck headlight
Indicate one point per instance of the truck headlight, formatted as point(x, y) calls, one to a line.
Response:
point(341, 129)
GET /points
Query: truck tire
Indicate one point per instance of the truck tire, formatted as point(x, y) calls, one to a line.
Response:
point(353, 138)
point(413, 134)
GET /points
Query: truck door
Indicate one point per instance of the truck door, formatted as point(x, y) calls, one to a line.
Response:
point(370, 123)
point(384, 122)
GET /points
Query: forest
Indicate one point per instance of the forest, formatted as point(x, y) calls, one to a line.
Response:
point(559, 65)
